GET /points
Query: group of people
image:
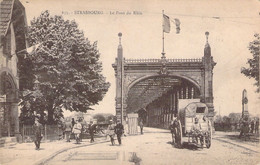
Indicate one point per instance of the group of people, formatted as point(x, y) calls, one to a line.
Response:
point(247, 126)
point(115, 129)
point(76, 128)
point(72, 127)
point(254, 126)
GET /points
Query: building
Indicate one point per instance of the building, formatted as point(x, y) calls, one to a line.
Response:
point(13, 25)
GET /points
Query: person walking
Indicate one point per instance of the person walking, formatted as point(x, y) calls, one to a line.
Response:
point(77, 130)
point(72, 125)
point(252, 126)
point(111, 132)
point(73, 122)
point(244, 128)
point(257, 126)
point(68, 129)
point(92, 129)
point(141, 124)
point(37, 129)
point(173, 128)
point(119, 130)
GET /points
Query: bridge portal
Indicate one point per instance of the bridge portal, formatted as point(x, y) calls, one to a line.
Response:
point(152, 87)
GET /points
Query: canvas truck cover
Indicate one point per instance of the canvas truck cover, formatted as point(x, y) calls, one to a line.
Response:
point(193, 109)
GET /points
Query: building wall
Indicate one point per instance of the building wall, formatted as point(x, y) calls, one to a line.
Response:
point(8, 72)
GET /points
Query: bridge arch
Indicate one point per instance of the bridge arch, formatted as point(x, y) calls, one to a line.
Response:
point(137, 82)
point(156, 75)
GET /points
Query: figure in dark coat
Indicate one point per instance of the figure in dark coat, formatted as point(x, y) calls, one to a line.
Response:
point(257, 126)
point(141, 124)
point(252, 126)
point(38, 134)
point(173, 128)
point(68, 129)
point(244, 127)
point(73, 122)
point(119, 130)
point(92, 129)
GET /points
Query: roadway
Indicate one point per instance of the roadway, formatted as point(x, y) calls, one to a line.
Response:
point(154, 147)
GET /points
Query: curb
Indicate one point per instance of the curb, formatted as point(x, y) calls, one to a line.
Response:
point(48, 158)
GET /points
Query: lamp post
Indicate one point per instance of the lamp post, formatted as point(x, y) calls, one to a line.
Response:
point(122, 81)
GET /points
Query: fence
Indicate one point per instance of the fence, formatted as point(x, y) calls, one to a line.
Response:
point(50, 132)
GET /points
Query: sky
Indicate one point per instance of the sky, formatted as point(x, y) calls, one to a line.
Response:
point(231, 25)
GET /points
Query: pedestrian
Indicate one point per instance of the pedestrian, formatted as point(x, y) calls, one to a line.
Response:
point(141, 124)
point(257, 126)
point(111, 131)
point(73, 122)
point(77, 130)
point(173, 128)
point(38, 134)
point(92, 129)
point(119, 130)
point(244, 128)
point(252, 126)
point(68, 129)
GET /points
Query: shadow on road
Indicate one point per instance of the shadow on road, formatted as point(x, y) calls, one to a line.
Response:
point(185, 145)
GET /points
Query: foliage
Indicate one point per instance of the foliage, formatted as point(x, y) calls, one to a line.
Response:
point(235, 117)
point(65, 66)
point(103, 117)
point(253, 70)
point(218, 119)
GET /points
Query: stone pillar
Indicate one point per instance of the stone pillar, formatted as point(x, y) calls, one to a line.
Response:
point(120, 93)
point(208, 77)
point(245, 112)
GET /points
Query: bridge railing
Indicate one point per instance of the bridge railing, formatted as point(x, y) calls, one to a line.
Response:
point(159, 60)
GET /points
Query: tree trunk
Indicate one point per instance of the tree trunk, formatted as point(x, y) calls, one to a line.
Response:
point(50, 116)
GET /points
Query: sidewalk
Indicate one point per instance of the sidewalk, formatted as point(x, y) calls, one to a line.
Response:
point(26, 153)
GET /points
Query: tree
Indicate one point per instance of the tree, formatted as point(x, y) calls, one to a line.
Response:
point(218, 119)
point(253, 70)
point(65, 66)
point(235, 117)
point(99, 118)
point(103, 117)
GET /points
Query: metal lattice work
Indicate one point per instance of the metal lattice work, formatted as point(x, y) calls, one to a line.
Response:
point(148, 90)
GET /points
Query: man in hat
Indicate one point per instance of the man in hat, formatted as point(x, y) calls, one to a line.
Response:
point(196, 130)
point(77, 130)
point(37, 129)
point(68, 128)
point(92, 129)
point(173, 128)
point(119, 130)
point(111, 131)
point(141, 124)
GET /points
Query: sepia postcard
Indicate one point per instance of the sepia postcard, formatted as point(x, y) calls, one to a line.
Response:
point(143, 82)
